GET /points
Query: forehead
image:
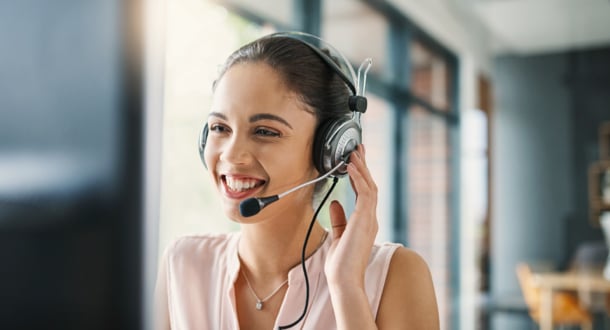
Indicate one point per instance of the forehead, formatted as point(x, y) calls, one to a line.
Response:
point(254, 84)
point(252, 80)
point(255, 90)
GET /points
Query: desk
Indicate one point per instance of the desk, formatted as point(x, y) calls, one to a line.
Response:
point(568, 281)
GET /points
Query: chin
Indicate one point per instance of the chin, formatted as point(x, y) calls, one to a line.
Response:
point(231, 211)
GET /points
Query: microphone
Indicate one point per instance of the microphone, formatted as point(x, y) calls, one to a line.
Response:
point(252, 206)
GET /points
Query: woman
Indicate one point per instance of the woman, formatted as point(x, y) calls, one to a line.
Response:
point(269, 100)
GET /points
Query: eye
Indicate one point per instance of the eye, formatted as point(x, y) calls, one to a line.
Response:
point(265, 132)
point(218, 128)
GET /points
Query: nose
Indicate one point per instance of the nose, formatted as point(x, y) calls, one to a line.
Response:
point(236, 151)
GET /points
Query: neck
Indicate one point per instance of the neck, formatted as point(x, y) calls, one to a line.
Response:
point(269, 249)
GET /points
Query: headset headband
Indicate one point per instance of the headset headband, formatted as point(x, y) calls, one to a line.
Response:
point(357, 102)
point(316, 44)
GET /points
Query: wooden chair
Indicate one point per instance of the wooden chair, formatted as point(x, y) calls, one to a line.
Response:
point(566, 309)
point(590, 256)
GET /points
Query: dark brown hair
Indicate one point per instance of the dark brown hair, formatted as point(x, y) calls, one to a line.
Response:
point(302, 71)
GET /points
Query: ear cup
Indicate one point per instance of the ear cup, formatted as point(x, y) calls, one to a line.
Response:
point(334, 141)
point(203, 138)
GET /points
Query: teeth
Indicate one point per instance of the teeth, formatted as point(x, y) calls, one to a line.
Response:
point(240, 185)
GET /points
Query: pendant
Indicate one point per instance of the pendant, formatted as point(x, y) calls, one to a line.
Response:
point(259, 305)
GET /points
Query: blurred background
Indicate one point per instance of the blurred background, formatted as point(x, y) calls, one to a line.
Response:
point(488, 133)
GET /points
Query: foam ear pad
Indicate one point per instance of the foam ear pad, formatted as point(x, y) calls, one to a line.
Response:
point(203, 138)
point(334, 141)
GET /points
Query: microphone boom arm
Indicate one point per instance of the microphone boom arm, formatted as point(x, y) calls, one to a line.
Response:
point(327, 174)
point(252, 206)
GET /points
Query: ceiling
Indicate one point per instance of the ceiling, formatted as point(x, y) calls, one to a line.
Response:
point(541, 26)
point(514, 26)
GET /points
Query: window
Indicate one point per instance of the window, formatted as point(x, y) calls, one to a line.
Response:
point(430, 76)
point(357, 31)
point(428, 175)
point(375, 126)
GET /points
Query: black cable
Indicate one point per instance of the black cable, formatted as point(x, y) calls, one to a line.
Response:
point(313, 220)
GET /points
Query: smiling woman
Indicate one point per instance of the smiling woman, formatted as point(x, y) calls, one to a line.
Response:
point(284, 115)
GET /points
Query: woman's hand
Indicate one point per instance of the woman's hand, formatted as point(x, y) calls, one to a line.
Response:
point(350, 251)
point(353, 240)
point(408, 282)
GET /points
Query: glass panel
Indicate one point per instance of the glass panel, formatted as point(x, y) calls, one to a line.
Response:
point(357, 31)
point(377, 139)
point(429, 182)
point(200, 36)
point(430, 76)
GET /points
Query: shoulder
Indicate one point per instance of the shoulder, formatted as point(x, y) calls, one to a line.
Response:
point(408, 283)
point(398, 264)
point(408, 262)
point(409, 273)
point(200, 247)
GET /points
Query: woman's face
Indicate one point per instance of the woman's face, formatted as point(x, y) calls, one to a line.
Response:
point(260, 140)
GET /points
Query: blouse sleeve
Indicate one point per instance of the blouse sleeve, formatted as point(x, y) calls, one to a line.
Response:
point(161, 304)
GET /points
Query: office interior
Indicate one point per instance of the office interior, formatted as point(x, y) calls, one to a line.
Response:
point(488, 132)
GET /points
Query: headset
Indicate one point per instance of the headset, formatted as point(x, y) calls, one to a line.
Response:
point(336, 138)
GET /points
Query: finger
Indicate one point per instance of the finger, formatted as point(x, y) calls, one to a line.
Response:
point(362, 152)
point(362, 169)
point(337, 219)
point(364, 155)
point(358, 182)
point(357, 159)
point(366, 190)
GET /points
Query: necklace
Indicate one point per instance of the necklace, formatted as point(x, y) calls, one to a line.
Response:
point(259, 301)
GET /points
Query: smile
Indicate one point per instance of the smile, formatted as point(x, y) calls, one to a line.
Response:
point(238, 185)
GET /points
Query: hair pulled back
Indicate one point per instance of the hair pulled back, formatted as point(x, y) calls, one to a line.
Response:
point(302, 71)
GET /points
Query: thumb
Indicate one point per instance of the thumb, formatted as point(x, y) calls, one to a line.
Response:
point(337, 219)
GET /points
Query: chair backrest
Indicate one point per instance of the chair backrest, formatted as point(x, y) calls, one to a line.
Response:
point(531, 294)
point(566, 307)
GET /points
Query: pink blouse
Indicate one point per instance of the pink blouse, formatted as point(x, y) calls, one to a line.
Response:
point(201, 272)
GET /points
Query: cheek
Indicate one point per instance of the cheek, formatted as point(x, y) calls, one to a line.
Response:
point(293, 160)
point(308, 153)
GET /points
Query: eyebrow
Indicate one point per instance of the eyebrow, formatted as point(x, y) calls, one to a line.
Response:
point(217, 114)
point(263, 116)
point(257, 117)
